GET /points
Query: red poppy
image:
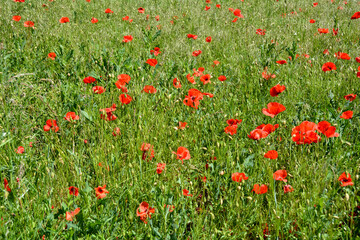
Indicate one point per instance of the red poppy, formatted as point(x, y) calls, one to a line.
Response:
point(52, 55)
point(16, 18)
point(125, 99)
point(345, 179)
point(149, 89)
point(273, 109)
point(29, 24)
point(218, 5)
point(329, 66)
point(312, 21)
point(192, 36)
point(71, 215)
point(152, 62)
point(89, 80)
point(145, 148)
point(116, 132)
point(231, 129)
point(109, 113)
point(176, 83)
point(272, 154)
point(350, 97)
point(341, 55)
point(315, 4)
point(269, 128)
point(335, 31)
point(170, 207)
point(258, 134)
point(325, 128)
point(276, 90)
point(127, 38)
point(98, 89)
point(101, 192)
point(108, 10)
point(186, 193)
point(266, 75)
point(196, 53)
point(182, 154)
point(356, 15)
point(190, 79)
point(19, 0)
point(94, 20)
point(305, 133)
point(160, 167)
point(156, 51)
point(237, 13)
point(193, 98)
point(141, 10)
point(347, 115)
point(6, 185)
point(260, 31)
point(207, 8)
point(199, 72)
point(323, 30)
point(64, 20)
point(260, 189)
point(280, 175)
point(215, 63)
point(222, 78)
point(205, 79)
point(326, 52)
point(51, 125)
point(125, 18)
point(238, 177)
point(123, 79)
point(208, 39)
point(288, 188)
point(181, 126)
point(71, 116)
point(157, 17)
point(144, 211)
point(281, 62)
point(20, 150)
point(73, 191)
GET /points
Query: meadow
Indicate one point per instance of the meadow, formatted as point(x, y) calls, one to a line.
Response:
point(179, 119)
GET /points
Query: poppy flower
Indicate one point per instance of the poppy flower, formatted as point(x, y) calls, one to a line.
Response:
point(238, 177)
point(101, 192)
point(281, 62)
point(329, 66)
point(144, 211)
point(149, 89)
point(141, 10)
point(176, 83)
point(345, 180)
point(234, 121)
point(265, 75)
point(152, 62)
point(71, 116)
point(52, 55)
point(273, 109)
point(51, 125)
point(350, 97)
point(125, 99)
point(182, 153)
point(64, 20)
point(326, 52)
point(280, 175)
point(237, 13)
point(196, 53)
point(258, 134)
point(16, 18)
point(323, 30)
point(312, 21)
point(20, 150)
point(341, 55)
point(356, 15)
point(170, 207)
point(222, 78)
point(315, 4)
point(71, 215)
point(190, 79)
point(94, 20)
point(205, 79)
point(29, 24)
point(234, 20)
point(231, 129)
point(145, 148)
point(272, 154)
point(109, 113)
point(157, 17)
point(73, 191)
point(123, 79)
point(199, 72)
point(260, 31)
point(160, 167)
point(208, 39)
point(276, 90)
point(89, 80)
point(347, 115)
point(192, 36)
point(260, 189)
point(193, 98)
point(325, 128)
point(125, 18)
point(269, 128)
point(288, 188)
point(108, 10)
point(305, 133)
point(116, 132)
point(215, 63)
point(335, 31)
point(127, 38)
point(207, 8)
point(218, 5)
point(186, 193)
point(98, 89)
point(156, 51)
point(181, 126)
point(6, 185)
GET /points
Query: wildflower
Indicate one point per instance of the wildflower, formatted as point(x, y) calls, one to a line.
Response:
point(101, 192)
point(239, 177)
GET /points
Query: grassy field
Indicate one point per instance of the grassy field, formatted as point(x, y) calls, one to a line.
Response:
point(132, 170)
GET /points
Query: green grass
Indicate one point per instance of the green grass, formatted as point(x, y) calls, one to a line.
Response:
point(34, 89)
